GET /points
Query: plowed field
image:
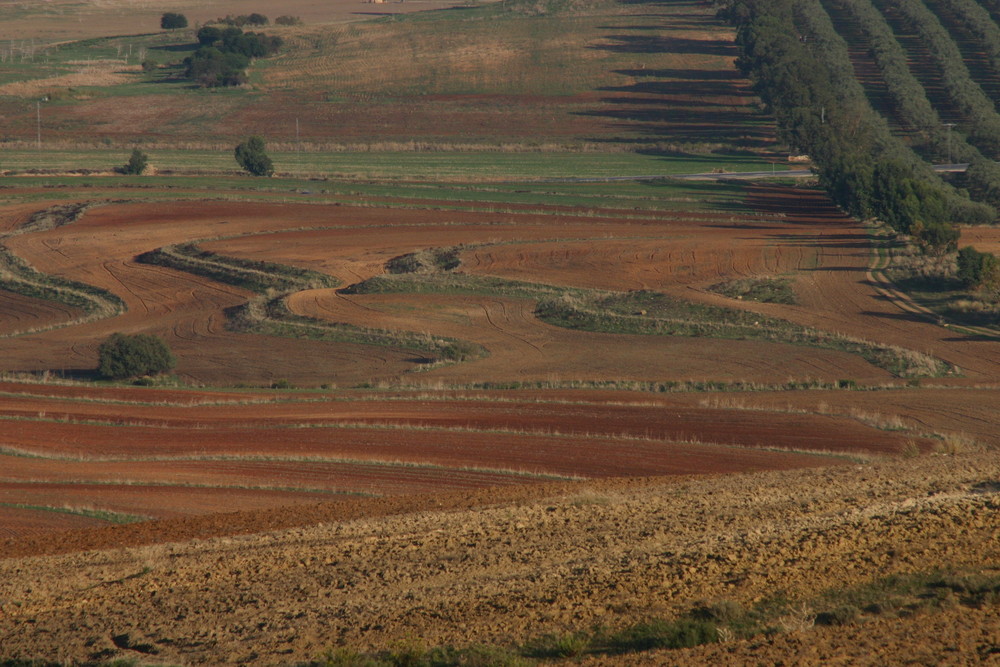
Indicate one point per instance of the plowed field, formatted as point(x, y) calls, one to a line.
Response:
point(194, 452)
point(504, 567)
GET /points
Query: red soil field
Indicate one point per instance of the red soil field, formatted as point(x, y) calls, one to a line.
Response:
point(23, 313)
point(19, 523)
point(150, 500)
point(314, 428)
point(364, 441)
point(65, 19)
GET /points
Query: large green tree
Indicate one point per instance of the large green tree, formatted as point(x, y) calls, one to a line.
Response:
point(251, 156)
point(173, 21)
point(124, 356)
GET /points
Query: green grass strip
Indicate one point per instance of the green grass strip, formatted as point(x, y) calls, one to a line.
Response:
point(101, 515)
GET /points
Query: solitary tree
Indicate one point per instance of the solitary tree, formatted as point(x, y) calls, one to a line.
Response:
point(173, 20)
point(251, 156)
point(124, 356)
point(136, 164)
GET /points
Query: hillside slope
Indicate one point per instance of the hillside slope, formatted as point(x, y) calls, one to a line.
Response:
point(572, 556)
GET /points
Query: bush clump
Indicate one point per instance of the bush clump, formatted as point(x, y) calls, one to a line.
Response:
point(173, 21)
point(137, 163)
point(251, 156)
point(124, 356)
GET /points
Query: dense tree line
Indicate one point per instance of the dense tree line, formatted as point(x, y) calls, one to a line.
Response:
point(242, 20)
point(983, 123)
point(808, 82)
point(978, 23)
point(907, 93)
point(225, 54)
point(910, 98)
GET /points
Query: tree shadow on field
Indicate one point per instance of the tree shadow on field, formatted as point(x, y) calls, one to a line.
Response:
point(826, 240)
point(176, 48)
point(657, 44)
point(77, 374)
point(685, 105)
point(902, 317)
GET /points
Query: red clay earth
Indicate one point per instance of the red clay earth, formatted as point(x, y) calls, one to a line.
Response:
point(17, 523)
point(794, 232)
point(188, 310)
point(152, 501)
point(23, 313)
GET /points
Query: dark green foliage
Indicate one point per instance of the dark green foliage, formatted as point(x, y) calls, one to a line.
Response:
point(660, 634)
point(251, 156)
point(978, 269)
point(209, 67)
point(982, 178)
point(981, 120)
point(225, 54)
point(243, 19)
point(173, 21)
point(801, 70)
point(124, 356)
point(209, 35)
point(285, 19)
point(136, 164)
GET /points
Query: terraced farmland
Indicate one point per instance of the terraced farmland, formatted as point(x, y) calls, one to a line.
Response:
point(478, 364)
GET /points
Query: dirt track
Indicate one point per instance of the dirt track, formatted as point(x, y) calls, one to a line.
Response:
point(596, 552)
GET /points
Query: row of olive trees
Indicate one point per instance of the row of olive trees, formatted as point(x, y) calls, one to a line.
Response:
point(980, 26)
point(908, 94)
point(249, 153)
point(983, 122)
point(822, 111)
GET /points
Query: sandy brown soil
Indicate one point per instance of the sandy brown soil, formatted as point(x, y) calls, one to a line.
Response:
point(597, 552)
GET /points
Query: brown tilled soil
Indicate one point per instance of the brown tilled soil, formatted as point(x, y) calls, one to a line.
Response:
point(525, 562)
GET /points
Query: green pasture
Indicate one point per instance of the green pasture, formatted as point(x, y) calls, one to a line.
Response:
point(436, 166)
point(631, 198)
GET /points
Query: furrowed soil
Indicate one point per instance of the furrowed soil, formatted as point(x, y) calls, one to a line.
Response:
point(298, 491)
point(505, 568)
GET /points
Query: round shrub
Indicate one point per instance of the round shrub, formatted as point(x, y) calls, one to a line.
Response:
point(124, 356)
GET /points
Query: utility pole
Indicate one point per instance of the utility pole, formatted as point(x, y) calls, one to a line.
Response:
point(38, 124)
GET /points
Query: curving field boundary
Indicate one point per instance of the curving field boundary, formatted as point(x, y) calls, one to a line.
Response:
point(269, 314)
point(646, 313)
